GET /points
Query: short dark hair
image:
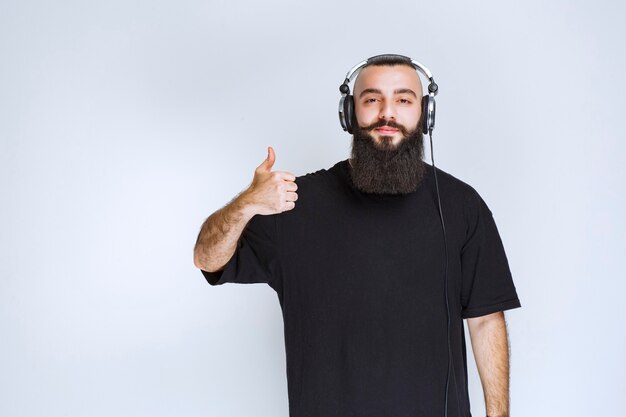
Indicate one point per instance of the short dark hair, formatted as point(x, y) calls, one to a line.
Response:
point(388, 60)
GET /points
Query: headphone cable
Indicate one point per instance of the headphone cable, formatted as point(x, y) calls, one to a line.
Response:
point(443, 226)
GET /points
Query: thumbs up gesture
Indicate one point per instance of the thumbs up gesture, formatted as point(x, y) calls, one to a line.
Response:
point(272, 192)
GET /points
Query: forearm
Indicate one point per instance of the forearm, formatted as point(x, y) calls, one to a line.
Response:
point(271, 192)
point(217, 240)
point(491, 352)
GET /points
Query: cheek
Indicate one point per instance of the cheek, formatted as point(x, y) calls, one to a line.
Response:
point(365, 115)
point(410, 117)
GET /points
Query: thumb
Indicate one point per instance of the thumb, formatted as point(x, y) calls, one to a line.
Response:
point(267, 164)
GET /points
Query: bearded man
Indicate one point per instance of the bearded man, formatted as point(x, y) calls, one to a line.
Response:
point(373, 294)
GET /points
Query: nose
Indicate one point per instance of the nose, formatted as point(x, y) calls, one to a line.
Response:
point(387, 111)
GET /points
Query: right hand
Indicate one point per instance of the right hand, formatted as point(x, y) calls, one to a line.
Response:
point(271, 192)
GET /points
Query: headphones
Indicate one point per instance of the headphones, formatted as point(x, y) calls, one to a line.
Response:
point(347, 117)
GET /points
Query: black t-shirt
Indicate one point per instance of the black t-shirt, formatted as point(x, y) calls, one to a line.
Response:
point(360, 279)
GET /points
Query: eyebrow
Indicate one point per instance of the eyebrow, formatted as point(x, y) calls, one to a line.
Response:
point(398, 91)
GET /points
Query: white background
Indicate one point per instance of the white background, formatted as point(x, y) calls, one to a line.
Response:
point(124, 124)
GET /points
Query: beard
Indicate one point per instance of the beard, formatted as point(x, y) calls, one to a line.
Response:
point(385, 168)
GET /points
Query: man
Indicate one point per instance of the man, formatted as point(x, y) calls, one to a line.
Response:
point(356, 256)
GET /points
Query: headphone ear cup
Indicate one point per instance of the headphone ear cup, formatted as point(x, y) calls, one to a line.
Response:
point(428, 113)
point(424, 116)
point(348, 113)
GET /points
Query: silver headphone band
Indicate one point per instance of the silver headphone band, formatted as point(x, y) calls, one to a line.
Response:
point(422, 69)
point(419, 67)
point(354, 69)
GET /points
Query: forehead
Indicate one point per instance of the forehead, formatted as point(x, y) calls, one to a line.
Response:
point(388, 78)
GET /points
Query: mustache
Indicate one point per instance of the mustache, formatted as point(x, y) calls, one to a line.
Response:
point(389, 123)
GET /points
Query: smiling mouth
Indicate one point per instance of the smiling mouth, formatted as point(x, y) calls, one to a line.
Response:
point(386, 130)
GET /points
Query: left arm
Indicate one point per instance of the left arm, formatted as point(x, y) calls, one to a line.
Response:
point(491, 352)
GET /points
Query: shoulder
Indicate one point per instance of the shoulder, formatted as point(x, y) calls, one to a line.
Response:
point(321, 177)
point(319, 189)
point(459, 194)
point(449, 184)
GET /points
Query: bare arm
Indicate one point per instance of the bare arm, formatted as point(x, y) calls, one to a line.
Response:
point(270, 192)
point(219, 234)
point(491, 352)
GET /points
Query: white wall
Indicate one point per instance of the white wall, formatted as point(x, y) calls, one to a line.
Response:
point(123, 125)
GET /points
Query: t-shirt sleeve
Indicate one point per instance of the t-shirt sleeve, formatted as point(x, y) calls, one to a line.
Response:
point(487, 284)
point(255, 258)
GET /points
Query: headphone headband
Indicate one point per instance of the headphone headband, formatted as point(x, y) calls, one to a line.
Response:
point(419, 67)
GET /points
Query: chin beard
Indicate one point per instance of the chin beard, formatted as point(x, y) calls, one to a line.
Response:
point(384, 168)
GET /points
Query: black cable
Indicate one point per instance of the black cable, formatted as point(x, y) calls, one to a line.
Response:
point(443, 226)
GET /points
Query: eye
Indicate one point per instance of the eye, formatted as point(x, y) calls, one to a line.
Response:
point(404, 101)
point(370, 100)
